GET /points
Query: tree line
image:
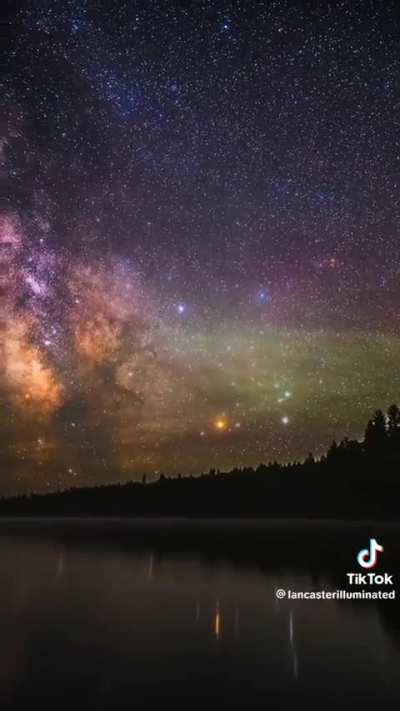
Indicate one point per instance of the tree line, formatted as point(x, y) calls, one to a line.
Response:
point(353, 480)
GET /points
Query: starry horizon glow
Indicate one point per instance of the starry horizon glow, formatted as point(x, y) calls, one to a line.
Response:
point(199, 245)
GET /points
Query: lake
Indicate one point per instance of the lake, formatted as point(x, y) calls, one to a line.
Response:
point(117, 614)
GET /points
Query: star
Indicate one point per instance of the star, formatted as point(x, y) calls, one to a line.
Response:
point(199, 245)
point(221, 425)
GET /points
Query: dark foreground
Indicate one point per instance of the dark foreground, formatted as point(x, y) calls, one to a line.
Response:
point(133, 614)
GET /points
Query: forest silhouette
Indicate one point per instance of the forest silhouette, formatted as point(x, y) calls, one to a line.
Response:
point(353, 480)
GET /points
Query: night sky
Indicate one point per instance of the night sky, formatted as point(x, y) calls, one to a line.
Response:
point(199, 234)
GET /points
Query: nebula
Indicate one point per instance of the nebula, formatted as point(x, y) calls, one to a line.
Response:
point(199, 248)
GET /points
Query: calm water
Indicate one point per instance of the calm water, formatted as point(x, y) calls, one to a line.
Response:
point(111, 619)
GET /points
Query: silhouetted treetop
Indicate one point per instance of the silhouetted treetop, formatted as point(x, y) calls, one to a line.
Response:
point(355, 479)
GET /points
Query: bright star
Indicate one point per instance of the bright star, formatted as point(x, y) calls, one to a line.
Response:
point(220, 425)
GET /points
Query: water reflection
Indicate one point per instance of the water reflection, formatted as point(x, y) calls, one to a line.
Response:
point(217, 621)
point(293, 645)
point(133, 621)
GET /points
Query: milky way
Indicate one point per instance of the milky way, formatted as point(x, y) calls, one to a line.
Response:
point(199, 236)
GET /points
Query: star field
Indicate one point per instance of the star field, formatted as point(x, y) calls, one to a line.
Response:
point(199, 236)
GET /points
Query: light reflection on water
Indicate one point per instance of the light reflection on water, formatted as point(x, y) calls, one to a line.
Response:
point(105, 627)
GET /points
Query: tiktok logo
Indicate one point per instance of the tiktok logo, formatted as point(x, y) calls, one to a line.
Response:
point(368, 557)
